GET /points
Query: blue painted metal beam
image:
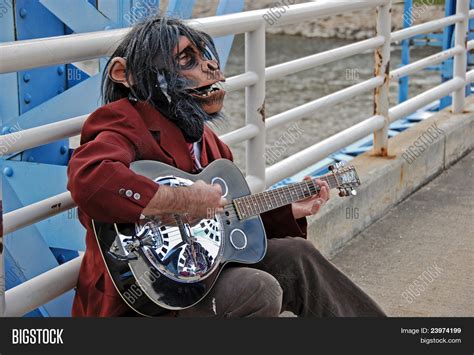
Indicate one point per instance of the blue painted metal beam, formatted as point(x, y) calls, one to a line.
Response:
point(27, 248)
point(403, 91)
point(29, 183)
point(89, 20)
point(180, 8)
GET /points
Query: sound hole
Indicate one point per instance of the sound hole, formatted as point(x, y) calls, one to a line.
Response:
point(238, 239)
point(221, 182)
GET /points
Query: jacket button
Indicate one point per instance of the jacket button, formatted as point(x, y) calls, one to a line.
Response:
point(122, 191)
point(129, 193)
point(136, 196)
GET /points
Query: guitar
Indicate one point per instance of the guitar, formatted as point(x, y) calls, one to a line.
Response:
point(173, 263)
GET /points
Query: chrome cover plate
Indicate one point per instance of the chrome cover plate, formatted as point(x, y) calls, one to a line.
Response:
point(183, 250)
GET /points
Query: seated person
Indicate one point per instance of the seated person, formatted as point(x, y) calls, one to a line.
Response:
point(156, 109)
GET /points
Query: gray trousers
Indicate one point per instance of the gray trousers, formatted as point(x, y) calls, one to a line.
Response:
point(293, 276)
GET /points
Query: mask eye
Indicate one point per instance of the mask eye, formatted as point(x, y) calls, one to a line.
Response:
point(184, 59)
point(187, 59)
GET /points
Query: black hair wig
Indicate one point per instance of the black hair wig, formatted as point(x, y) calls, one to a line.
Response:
point(148, 49)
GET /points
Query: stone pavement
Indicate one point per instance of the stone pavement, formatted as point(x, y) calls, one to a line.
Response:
point(418, 259)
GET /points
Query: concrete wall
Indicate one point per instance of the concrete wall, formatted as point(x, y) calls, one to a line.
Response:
point(387, 181)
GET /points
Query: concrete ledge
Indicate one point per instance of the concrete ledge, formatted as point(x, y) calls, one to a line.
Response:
point(417, 155)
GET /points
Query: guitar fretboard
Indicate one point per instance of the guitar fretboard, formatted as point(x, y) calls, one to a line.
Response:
point(255, 204)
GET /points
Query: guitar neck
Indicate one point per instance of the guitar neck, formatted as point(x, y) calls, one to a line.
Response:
point(255, 204)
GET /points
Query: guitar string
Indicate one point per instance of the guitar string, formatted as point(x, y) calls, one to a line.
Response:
point(310, 185)
point(232, 213)
point(275, 195)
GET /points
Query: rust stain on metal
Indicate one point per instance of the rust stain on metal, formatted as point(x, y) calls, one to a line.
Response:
point(377, 72)
point(261, 111)
point(401, 175)
point(383, 154)
point(377, 67)
point(462, 113)
point(387, 73)
point(57, 205)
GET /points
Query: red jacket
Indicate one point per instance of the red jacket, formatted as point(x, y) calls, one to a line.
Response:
point(112, 137)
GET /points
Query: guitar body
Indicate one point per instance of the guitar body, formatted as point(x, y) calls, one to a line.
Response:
point(158, 265)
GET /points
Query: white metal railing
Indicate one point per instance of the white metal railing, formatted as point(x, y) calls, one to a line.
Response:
point(20, 55)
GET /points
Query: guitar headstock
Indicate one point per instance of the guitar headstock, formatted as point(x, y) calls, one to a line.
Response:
point(346, 178)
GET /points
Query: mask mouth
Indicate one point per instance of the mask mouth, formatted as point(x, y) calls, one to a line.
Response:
point(208, 92)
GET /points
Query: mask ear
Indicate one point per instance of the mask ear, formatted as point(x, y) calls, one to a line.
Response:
point(116, 71)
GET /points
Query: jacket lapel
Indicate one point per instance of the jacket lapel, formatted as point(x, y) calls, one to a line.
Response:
point(171, 140)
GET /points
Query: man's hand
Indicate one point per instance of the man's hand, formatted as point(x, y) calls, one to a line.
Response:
point(313, 204)
point(200, 200)
point(205, 200)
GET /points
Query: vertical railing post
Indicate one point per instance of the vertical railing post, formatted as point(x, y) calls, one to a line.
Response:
point(255, 107)
point(382, 68)
point(460, 60)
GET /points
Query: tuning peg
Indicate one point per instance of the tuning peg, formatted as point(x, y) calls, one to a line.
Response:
point(342, 193)
point(331, 167)
point(353, 192)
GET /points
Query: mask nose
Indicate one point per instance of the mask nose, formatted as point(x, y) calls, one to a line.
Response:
point(210, 65)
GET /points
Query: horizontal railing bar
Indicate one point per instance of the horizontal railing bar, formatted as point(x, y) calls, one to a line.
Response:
point(36, 212)
point(470, 45)
point(34, 53)
point(425, 27)
point(470, 76)
point(300, 13)
point(302, 111)
point(241, 81)
point(407, 107)
point(41, 289)
point(34, 137)
point(425, 62)
point(312, 61)
point(471, 14)
point(309, 156)
point(240, 135)
point(28, 54)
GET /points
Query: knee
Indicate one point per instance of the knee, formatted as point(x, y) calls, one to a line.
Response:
point(303, 256)
point(303, 248)
point(268, 294)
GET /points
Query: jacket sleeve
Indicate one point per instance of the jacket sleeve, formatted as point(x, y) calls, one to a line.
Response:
point(280, 223)
point(101, 183)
